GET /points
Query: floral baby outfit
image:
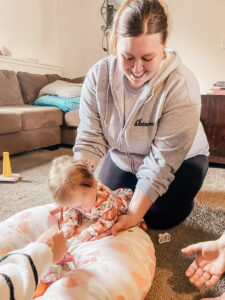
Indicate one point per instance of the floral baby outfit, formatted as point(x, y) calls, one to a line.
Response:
point(108, 206)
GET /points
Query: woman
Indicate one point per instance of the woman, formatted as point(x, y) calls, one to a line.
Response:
point(141, 107)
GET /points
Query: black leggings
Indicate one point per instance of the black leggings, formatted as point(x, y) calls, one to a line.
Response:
point(177, 203)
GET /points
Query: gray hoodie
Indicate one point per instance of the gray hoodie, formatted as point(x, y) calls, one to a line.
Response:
point(162, 130)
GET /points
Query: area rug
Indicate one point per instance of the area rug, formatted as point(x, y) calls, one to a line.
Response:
point(206, 222)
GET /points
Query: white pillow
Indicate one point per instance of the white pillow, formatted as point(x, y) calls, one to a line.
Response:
point(61, 88)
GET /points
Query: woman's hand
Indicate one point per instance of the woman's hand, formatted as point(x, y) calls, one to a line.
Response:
point(124, 222)
point(208, 267)
point(138, 207)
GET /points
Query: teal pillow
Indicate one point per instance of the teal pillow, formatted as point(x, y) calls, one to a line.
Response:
point(65, 104)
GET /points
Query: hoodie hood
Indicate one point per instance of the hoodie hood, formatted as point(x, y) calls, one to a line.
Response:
point(116, 76)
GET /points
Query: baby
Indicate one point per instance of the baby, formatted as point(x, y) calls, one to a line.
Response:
point(74, 187)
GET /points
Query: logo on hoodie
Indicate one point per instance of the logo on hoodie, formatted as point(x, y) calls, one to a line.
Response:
point(139, 122)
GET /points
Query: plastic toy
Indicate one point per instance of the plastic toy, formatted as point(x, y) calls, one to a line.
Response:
point(7, 171)
point(42, 287)
point(54, 273)
point(164, 238)
point(67, 258)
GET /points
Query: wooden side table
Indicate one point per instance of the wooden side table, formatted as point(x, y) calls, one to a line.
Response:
point(213, 120)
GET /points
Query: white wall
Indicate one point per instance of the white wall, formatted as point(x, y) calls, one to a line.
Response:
point(68, 33)
point(57, 32)
point(28, 29)
point(197, 30)
point(79, 35)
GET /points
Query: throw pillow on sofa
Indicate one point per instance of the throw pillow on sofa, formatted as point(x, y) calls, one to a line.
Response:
point(10, 93)
point(62, 89)
point(30, 85)
point(65, 104)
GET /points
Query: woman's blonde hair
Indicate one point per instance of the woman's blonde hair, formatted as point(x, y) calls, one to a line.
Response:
point(137, 17)
point(65, 175)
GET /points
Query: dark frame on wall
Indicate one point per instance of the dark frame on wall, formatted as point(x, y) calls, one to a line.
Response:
point(107, 11)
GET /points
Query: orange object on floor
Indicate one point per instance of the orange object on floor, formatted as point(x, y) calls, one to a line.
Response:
point(7, 171)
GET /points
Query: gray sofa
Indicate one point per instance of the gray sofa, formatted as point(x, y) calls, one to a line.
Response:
point(25, 127)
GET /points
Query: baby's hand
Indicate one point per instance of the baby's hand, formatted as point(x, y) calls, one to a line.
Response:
point(84, 236)
point(69, 231)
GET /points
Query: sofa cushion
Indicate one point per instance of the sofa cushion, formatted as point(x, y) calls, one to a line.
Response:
point(72, 119)
point(33, 117)
point(10, 121)
point(68, 135)
point(31, 84)
point(53, 77)
point(39, 117)
point(27, 140)
point(75, 80)
point(9, 89)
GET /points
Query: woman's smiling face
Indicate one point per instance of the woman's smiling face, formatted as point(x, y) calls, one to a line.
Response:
point(140, 57)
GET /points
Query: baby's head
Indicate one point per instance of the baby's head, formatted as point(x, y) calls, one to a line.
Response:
point(72, 184)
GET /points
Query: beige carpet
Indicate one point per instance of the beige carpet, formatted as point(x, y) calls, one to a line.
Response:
point(207, 221)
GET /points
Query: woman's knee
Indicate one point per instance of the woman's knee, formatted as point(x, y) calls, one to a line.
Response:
point(166, 219)
point(177, 203)
point(194, 171)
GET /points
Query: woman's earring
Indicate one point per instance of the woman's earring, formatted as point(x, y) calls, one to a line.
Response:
point(164, 54)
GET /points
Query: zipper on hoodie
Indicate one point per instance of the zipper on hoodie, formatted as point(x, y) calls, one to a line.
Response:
point(131, 163)
point(120, 137)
